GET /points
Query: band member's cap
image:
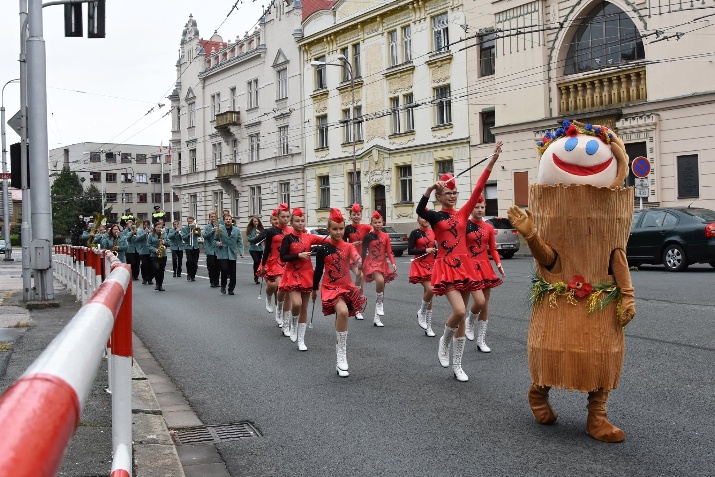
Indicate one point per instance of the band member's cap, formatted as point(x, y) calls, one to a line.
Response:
point(356, 208)
point(376, 215)
point(336, 215)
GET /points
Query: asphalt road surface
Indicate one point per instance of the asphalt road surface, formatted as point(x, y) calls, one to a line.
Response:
point(401, 414)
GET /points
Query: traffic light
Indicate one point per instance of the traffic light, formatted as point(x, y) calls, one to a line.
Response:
point(95, 19)
point(16, 166)
point(73, 20)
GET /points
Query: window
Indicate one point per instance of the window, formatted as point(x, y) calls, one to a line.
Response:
point(358, 196)
point(688, 177)
point(283, 139)
point(321, 79)
point(95, 157)
point(322, 131)
point(445, 167)
point(216, 153)
point(236, 202)
point(155, 159)
point(218, 201)
point(167, 197)
point(357, 110)
point(347, 127)
point(252, 89)
point(156, 198)
point(193, 206)
point(324, 192)
point(405, 173)
point(234, 99)
point(126, 158)
point(395, 115)
point(443, 105)
point(607, 37)
point(488, 121)
point(487, 54)
point(166, 178)
point(111, 177)
point(95, 177)
point(142, 197)
point(113, 216)
point(192, 160)
point(140, 178)
point(192, 114)
point(356, 61)
point(155, 178)
point(126, 177)
point(440, 29)
point(284, 188)
point(254, 147)
point(255, 200)
point(128, 197)
point(218, 103)
point(392, 42)
point(409, 112)
point(111, 196)
point(282, 84)
point(142, 216)
point(178, 163)
point(141, 158)
point(345, 71)
point(110, 157)
point(215, 105)
point(178, 118)
point(235, 151)
point(175, 197)
point(407, 44)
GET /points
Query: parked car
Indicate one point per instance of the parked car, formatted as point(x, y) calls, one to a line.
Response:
point(2, 246)
point(673, 236)
point(321, 231)
point(398, 240)
point(507, 237)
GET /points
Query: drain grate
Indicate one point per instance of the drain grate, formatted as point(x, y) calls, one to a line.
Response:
point(212, 434)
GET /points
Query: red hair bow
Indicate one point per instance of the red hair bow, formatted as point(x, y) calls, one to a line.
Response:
point(449, 181)
point(356, 208)
point(336, 215)
point(376, 215)
point(283, 208)
point(274, 213)
point(298, 212)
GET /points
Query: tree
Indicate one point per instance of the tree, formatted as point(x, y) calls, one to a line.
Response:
point(91, 201)
point(66, 197)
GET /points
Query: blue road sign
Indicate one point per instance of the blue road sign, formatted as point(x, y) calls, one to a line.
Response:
point(640, 166)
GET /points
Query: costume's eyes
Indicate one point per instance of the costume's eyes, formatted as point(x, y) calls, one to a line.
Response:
point(591, 147)
point(571, 143)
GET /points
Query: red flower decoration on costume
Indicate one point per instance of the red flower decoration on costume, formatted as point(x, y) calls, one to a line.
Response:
point(356, 208)
point(572, 131)
point(298, 212)
point(580, 287)
point(449, 181)
point(336, 215)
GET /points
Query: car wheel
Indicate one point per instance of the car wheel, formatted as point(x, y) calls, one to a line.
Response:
point(399, 253)
point(674, 258)
point(506, 254)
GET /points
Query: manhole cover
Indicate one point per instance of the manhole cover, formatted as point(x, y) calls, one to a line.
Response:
point(218, 433)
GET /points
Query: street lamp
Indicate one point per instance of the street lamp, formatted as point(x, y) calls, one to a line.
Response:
point(346, 64)
point(5, 209)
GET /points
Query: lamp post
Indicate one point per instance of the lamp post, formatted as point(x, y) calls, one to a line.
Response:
point(5, 209)
point(353, 136)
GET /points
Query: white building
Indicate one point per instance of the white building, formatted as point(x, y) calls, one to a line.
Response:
point(130, 176)
point(238, 119)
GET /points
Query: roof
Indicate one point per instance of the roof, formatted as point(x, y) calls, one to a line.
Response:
point(312, 6)
point(208, 45)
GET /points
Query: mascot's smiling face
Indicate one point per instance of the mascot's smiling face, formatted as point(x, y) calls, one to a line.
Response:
point(578, 159)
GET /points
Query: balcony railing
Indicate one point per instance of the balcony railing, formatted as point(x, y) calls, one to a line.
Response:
point(231, 169)
point(603, 91)
point(228, 118)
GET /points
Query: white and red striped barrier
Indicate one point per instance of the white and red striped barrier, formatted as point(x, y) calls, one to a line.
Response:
point(39, 413)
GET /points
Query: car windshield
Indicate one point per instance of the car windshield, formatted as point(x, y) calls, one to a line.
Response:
point(500, 223)
point(705, 214)
point(389, 230)
point(319, 231)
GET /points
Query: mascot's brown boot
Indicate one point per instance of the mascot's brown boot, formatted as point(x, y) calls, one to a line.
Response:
point(539, 402)
point(597, 425)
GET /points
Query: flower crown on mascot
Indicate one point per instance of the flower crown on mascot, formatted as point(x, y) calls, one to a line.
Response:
point(577, 227)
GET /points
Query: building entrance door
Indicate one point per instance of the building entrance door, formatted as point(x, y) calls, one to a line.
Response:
point(378, 198)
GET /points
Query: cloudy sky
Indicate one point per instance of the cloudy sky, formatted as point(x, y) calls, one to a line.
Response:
point(100, 90)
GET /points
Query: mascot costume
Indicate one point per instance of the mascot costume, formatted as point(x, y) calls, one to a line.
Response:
point(577, 227)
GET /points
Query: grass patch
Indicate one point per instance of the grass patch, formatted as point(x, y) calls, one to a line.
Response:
point(5, 346)
point(21, 324)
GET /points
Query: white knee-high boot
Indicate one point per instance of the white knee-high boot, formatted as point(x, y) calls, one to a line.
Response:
point(459, 374)
point(444, 344)
point(428, 320)
point(481, 334)
point(294, 328)
point(341, 365)
point(279, 314)
point(301, 337)
point(469, 324)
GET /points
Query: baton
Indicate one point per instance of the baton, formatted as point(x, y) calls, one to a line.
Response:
point(260, 290)
point(421, 256)
point(312, 313)
point(469, 168)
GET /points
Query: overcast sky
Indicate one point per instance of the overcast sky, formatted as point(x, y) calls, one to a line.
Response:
point(123, 75)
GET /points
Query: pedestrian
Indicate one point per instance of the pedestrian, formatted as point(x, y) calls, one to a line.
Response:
point(156, 243)
point(228, 245)
point(140, 242)
point(210, 230)
point(481, 241)
point(190, 234)
point(114, 241)
point(177, 248)
point(272, 264)
point(378, 264)
point(422, 245)
point(355, 233)
point(297, 279)
point(338, 294)
point(454, 274)
point(254, 228)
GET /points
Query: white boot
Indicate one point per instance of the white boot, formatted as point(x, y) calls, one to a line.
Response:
point(358, 316)
point(379, 307)
point(294, 328)
point(459, 374)
point(421, 318)
point(444, 343)
point(428, 320)
point(286, 322)
point(376, 321)
point(301, 337)
point(279, 314)
point(341, 365)
point(481, 344)
point(469, 325)
point(269, 305)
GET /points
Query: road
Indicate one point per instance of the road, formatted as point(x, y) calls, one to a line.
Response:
point(399, 413)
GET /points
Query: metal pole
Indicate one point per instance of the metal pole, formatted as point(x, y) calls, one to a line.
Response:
point(37, 114)
point(161, 160)
point(6, 206)
point(25, 231)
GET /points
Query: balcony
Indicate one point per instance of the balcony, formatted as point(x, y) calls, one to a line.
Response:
point(226, 171)
point(228, 118)
point(604, 91)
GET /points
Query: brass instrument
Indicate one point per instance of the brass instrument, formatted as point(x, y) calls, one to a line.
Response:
point(160, 249)
point(134, 230)
point(98, 218)
point(197, 230)
point(115, 249)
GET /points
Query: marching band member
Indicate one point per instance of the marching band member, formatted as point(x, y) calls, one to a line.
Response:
point(297, 279)
point(157, 249)
point(338, 293)
point(114, 241)
point(177, 248)
point(209, 248)
point(140, 242)
point(190, 234)
point(130, 232)
point(376, 252)
point(454, 274)
point(273, 266)
point(227, 244)
point(422, 245)
point(355, 233)
point(254, 228)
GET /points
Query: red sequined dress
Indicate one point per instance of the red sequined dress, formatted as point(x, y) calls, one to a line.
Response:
point(272, 262)
point(481, 241)
point(336, 259)
point(421, 267)
point(375, 254)
point(356, 233)
point(298, 272)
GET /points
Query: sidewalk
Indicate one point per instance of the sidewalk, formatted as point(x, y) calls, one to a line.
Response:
point(25, 334)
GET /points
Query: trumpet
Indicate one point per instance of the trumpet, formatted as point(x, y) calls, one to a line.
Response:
point(160, 249)
point(197, 230)
point(134, 230)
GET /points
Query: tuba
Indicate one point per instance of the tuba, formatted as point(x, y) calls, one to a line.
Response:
point(160, 249)
point(98, 218)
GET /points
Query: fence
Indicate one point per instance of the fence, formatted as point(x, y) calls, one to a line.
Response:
point(39, 413)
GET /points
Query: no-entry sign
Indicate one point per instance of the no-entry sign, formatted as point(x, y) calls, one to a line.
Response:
point(640, 167)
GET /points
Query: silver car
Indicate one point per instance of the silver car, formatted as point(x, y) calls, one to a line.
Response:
point(507, 237)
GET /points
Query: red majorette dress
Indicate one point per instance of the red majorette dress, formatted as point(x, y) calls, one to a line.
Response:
point(376, 251)
point(272, 262)
point(454, 268)
point(356, 233)
point(336, 258)
point(298, 272)
point(421, 268)
point(481, 240)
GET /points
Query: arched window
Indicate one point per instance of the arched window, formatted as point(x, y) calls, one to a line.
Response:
point(606, 37)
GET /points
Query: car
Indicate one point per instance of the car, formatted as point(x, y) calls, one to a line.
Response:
point(398, 240)
point(507, 237)
point(320, 231)
point(2, 246)
point(674, 236)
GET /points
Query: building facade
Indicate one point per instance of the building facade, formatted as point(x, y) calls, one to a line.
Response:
point(237, 119)
point(130, 176)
